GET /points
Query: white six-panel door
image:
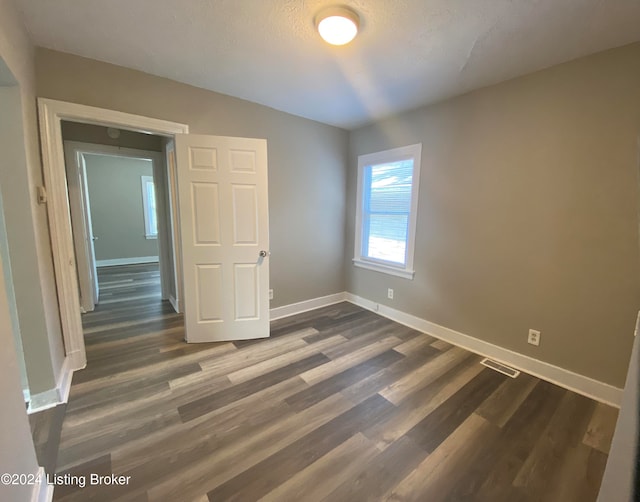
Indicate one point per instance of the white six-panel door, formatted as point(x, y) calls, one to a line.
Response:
point(224, 222)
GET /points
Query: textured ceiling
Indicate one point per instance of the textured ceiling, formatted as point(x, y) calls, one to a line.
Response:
point(409, 52)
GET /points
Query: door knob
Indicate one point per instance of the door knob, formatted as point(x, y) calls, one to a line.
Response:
point(94, 238)
point(264, 254)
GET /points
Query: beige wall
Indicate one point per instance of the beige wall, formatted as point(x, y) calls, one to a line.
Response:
point(16, 448)
point(43, 346)
point(115, 195)
point(306, 221)
point(528, 213)
point(17, 454)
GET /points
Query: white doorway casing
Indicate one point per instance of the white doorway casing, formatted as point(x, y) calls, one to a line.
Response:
point(81, 223)
point(176, 293)
point(51, 114)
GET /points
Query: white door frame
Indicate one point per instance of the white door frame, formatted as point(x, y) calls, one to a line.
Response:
point(80, 211)
point(176, 294)
point(51, 114)
point(77, 150)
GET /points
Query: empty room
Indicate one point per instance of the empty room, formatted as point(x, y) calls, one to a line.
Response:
point(303, 250)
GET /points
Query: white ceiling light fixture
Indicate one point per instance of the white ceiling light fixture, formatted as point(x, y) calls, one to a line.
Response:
point(337, 25)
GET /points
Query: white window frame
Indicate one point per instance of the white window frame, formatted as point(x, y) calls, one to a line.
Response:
point(394, 155)
point(146, 209)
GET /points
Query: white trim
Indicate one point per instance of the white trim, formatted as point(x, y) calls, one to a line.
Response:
point(80, 212)
point(377, 158)
point(564, 378)
point(173, 227)
point(64, 381)
point(305, 306)
point(53, 397)
point(43, 401)
point(175, 303)
point(163, 217)
point(43, 491)
point(51, 113)
point(114, 151)
point(385, 269)
point(136, 260)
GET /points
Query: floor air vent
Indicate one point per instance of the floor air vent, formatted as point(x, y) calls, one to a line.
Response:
point(501, 368)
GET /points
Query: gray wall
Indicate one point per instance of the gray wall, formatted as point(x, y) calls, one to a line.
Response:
point(618, 482)
point(306, 221)
point(14, 184)
point(528, 209)
point(528, 213)
point(89, 133)
point(26, 221)
point(17, 454)
point(5, 260)
point(115, 196)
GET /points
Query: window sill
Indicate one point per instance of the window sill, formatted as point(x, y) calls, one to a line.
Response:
point(385, 269)
point(151, 236)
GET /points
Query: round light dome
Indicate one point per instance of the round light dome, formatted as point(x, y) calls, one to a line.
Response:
point(337, 25)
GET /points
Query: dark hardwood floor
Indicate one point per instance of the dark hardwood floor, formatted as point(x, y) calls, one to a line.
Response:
point(339, 404)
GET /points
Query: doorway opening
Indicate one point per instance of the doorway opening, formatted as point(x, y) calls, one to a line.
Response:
point(124, 237)
point(52, 115)
point(222, 225)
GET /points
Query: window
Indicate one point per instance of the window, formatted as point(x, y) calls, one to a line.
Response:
point(149, 208)
point(386, 214)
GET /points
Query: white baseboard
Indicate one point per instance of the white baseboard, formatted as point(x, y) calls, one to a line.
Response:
point(77, 360)
point(567, 379)
point(564, 378)
point(64, 380)
point(43, 401)
point(305, 306)
point(53, 397)
point(127, 261)
point(42, 492)
point(174, 303)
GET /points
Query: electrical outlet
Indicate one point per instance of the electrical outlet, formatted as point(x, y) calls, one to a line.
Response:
point(534, 337)
point(390, 294)
point(271, 294)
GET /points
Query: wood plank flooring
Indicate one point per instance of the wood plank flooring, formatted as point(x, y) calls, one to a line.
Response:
point(338, 405)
